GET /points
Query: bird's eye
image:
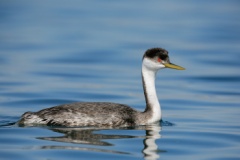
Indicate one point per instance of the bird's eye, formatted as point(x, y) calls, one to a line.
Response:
point(159, 60)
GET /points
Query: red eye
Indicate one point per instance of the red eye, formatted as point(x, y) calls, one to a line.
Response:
point(159, 60)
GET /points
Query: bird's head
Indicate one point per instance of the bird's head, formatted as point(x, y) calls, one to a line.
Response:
point(157, 58)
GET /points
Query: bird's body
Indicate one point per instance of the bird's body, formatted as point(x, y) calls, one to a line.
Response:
point(84, 114)
point(106, 113)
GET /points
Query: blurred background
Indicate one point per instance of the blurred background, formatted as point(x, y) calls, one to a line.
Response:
point(59, 51)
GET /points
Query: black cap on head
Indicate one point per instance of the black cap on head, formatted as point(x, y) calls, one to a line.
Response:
point(157, 53)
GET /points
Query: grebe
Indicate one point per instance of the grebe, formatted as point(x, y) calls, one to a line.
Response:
point(106, 113)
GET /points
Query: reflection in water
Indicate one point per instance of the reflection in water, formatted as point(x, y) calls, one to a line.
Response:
point(90, 136)
point(150, 147)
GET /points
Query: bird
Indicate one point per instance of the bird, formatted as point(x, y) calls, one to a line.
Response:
point(109, 114)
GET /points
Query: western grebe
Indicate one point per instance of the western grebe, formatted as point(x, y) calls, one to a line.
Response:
point(106, 113)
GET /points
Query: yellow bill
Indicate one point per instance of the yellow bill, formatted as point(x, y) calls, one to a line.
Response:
point(173, 66)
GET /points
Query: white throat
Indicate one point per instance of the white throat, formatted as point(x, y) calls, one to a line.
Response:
point(149, 71)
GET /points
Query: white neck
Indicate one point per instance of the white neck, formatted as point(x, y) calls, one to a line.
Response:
point(153, 106)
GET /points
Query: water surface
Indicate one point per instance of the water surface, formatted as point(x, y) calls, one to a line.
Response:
point(60, 52)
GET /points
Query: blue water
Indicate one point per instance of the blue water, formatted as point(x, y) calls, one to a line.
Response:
point(56, 52)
